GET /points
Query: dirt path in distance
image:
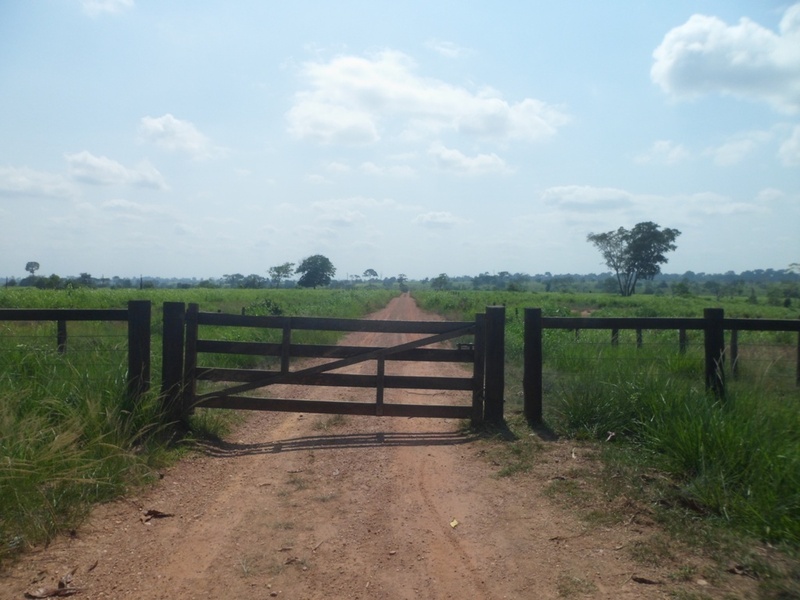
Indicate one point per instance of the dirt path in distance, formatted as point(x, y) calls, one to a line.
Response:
point(318, 507)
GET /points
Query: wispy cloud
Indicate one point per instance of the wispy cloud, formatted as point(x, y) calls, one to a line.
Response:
point(789, 152)
point(175, 134)
point(449, 159)
point(447, 49)
point(706, 55)
point(664, 152)
point(100, 170)
point(358, 100)
point(26, 182)
point(439, 220)
point(95, 8)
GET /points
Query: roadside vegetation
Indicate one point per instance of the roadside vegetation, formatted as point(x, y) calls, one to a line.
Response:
point(705, 464)
point(69, 434)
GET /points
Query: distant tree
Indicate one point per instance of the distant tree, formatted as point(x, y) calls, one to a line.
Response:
point(402, 282)
point(32, 267)
point(86, 279)
point(370, 274)
point(235, 280)
point(253, 282)
point(315, 271)
point(635, 254)
point(442, 282)
point(280, 272)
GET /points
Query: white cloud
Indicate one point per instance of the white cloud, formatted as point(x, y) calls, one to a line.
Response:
point(439, 220)
point(177, 135)
point(95, 8)
point(100, 170)
point(789, 152)
point(22, 181)
point(371, 168)
point(664, 152)
point(449, 159)
point(706, 55)
point(356, 100)
point(583, 198)
point(447, 49)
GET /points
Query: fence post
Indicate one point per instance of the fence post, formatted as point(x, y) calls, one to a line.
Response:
point(495, 363)
point(532, 367)
point(172, 358)
point(615, 337)
point(735, 353)
point(61, 336)
point(714, 334)
point(683, 341)
point(190, 361)
point(478, 369)
point(138, 348)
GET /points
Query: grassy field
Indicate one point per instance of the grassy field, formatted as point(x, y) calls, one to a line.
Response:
point(737, 460)
point(69, 434)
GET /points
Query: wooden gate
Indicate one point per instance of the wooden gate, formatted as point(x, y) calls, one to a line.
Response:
point(183, 369)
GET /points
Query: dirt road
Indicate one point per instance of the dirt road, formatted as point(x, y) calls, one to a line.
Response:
point(312, 507)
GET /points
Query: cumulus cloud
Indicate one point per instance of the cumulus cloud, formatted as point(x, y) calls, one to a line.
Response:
point(664, 152)
point(439, 220)
point(356, 100)
point(789, 152)
point(449, 159)
point(706, 55)
point(25, 182)
point(736, 149)
point(95, 8)
point(100, 170)
point(177, 135)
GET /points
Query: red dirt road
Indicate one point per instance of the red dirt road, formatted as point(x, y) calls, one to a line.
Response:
point(311, 507)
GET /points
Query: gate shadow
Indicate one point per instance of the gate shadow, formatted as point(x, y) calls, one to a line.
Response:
point(223, 449)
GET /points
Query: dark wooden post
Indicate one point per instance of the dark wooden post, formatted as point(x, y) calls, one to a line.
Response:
point(532, 368)
point(61, 336)
point(638, 338)
point(286, 343)
point(683, 341)
point(495, 363)
point(478, 369)
point(615, 337)
point(172, 358)
point(138, 348)
point(715, 350)
point(735, 353)
point(190, 361)
point(797, 372)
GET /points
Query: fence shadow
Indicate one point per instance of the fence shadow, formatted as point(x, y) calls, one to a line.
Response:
point(223, 449)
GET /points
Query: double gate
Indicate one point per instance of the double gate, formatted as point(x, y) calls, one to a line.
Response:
point(188, 360)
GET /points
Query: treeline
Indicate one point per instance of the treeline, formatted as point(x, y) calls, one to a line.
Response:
point(775, 286)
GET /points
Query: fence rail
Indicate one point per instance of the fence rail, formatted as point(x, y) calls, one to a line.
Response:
point(713, 325)
point(137, 315)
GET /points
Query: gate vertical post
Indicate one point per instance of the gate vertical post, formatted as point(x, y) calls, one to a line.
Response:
point(138, 348)
point(532, 367)
point(714, 331)
point(495, 363)
point(61, 336)
point(190, 362)
point(172, 358)
point(478, 368)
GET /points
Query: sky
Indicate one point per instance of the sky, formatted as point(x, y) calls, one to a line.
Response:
point(203, 138)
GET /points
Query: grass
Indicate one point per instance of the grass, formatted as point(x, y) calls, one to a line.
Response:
point(69, 434)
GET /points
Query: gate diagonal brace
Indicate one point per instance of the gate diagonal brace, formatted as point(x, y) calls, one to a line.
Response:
point(338, 364)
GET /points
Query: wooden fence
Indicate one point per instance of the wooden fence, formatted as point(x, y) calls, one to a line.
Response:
point(713, 324)
point(137, 315)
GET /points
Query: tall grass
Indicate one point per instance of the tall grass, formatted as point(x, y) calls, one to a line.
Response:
point(738, 459)
point(68, 438)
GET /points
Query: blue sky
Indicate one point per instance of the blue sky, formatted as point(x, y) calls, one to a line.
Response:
point(196, 139)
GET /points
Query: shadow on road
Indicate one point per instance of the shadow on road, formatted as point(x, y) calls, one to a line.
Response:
point(222, 449)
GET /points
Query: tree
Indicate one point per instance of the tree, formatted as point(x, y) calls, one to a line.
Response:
point(280, 272)
point(442, 282)
point(401, 280)
point(371, 274)
point(635, 254)
point(32, 267)
point(315, 271)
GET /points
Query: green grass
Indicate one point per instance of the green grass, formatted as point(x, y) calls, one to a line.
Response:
point(69, 434)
